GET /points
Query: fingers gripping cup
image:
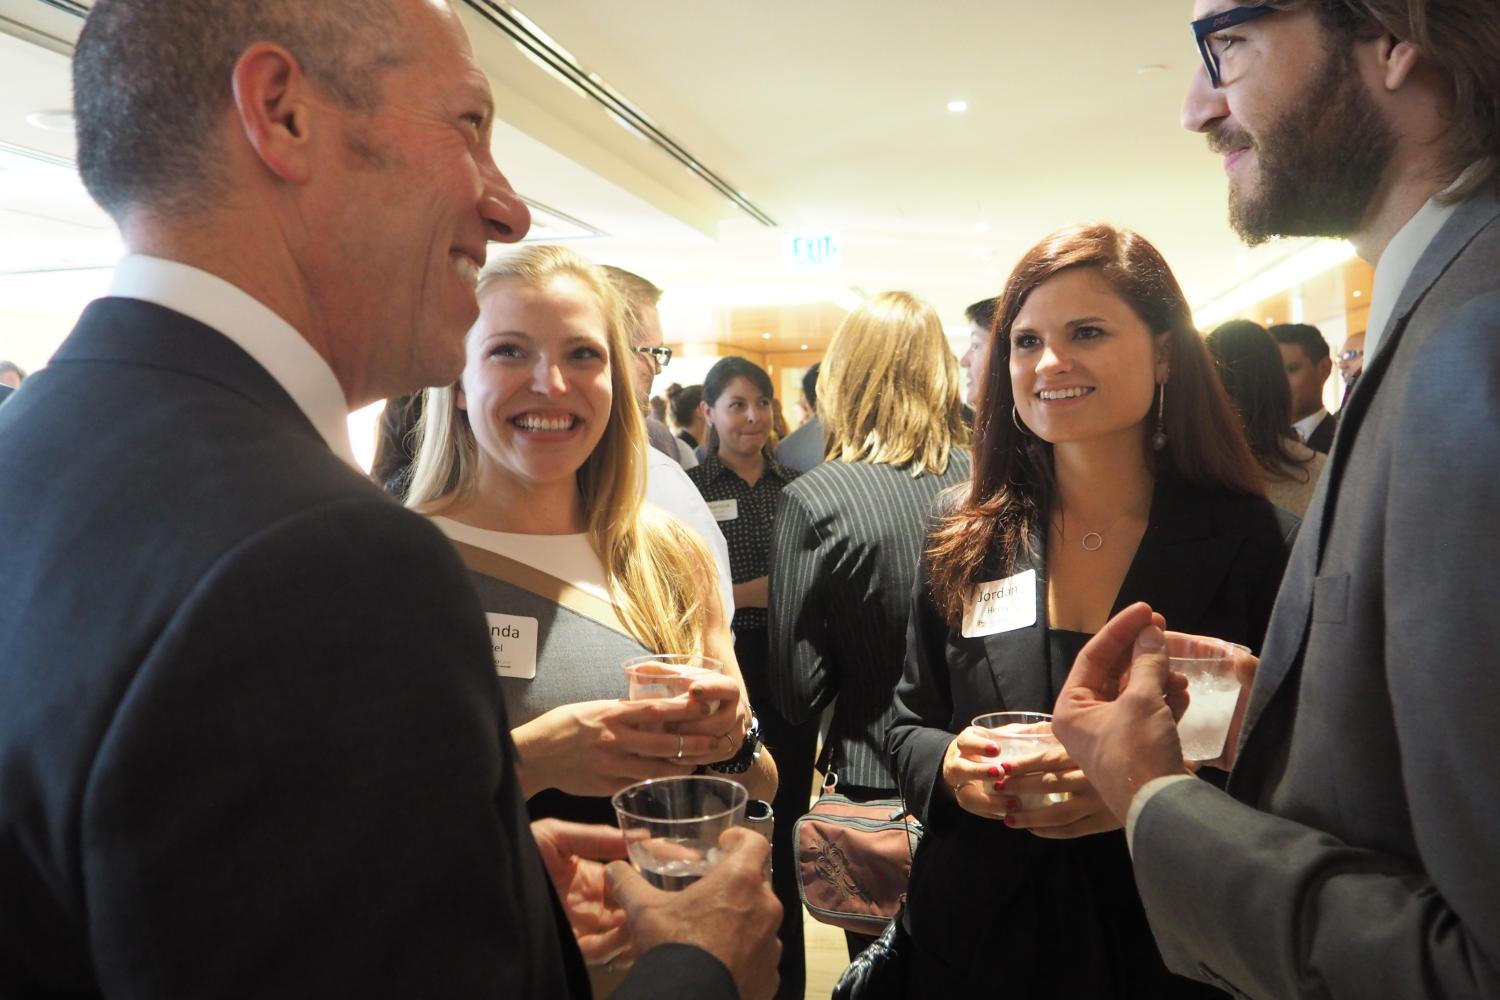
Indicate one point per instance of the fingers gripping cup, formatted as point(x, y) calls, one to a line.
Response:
point(1022, 734)
point(672, 825)
point(667, 675)
point(1213, 693)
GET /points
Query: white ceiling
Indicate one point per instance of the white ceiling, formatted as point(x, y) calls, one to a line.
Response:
point(829, 115)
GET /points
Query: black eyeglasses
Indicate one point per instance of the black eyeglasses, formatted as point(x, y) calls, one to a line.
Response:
point(660, 356)
point(1344, 357)
point(1206, 27)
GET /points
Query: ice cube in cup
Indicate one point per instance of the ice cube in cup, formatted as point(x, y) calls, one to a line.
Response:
point(1022, 734)
point(672, 826)
point(1213, 693)
point(667, 675)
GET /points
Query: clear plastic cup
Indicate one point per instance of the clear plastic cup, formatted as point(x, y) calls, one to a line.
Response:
point(1018, 735)
point(1213, 693)
point(667, 675)
point(672, 826)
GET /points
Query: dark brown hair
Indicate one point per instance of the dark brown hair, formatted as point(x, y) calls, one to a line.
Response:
point(1250, 367)
point(1460, 38)
point(1011, 492)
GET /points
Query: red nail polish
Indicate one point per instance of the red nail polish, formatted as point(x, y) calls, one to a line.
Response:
point(1010, 821)
point(999, 784)
point(990, 750)
point(994, 772)
point(1012, 804)
point(1007, 767)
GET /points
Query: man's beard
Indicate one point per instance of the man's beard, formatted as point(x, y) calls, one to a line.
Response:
point(1319, 166)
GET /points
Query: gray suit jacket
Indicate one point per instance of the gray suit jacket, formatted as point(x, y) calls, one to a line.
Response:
point(803, 448)
point(1353, 856)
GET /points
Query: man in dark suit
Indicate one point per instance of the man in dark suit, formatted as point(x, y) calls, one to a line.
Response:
point(803, 449)
point(251, 742)
point(1304, 354)
point(1350, 857)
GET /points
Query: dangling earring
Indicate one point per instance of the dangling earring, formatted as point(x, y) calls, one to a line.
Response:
point(1159, 439)
point(1015, 418)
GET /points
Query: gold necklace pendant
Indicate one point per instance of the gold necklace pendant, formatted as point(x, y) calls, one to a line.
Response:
point(1098, 541)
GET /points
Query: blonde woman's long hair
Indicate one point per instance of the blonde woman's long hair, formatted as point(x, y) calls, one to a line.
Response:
point(888, 391)
point(659, 573)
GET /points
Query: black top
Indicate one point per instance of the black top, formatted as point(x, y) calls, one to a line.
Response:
point(847, 539)
point(687, 439)
point(1064, 913)
point(1321, 438)
point(748, 532)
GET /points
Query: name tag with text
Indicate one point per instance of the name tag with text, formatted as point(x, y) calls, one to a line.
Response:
point(513, 641)
point(724, 510)
point(1001, 606)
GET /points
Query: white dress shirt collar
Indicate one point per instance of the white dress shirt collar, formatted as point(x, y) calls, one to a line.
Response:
point(1308, 424)
point(273, 342)
point(1399, 260)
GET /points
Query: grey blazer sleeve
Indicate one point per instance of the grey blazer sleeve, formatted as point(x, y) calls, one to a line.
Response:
point(803, 680)
point(306, 793)
point(1280, 909)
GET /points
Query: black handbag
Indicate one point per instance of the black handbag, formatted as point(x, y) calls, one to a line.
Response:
point(880, 971)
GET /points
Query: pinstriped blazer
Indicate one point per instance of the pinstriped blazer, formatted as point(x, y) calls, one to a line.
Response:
point(843, 559)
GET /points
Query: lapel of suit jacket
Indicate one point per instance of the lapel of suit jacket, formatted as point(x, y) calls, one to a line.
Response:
point(1288, 628)
point(132, 332)
point(1024, 686)
point(1181, 562)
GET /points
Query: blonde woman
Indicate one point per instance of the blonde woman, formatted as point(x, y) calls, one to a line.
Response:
point(849, 532)
point(533, 465)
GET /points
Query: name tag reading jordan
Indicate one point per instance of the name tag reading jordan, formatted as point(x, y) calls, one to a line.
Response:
point(1001, 606)
point(513, 641)
point(724, 510)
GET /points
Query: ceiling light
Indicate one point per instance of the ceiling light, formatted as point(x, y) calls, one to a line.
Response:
point(1316, 258)
point(1270, 319)
point(1146, 69)
point(766, 335)
point(958, 107)
point(1358, 293)
point(51, 121)
point(804, 347)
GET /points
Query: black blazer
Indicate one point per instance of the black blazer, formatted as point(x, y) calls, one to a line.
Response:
point(1211, 564)
point(1321, 439)
point(250, 736)
point(843, 559)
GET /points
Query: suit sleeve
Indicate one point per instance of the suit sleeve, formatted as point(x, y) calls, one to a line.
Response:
point(804, 675)
point(306, 791)
point(677, 970)
point(1315, 917)
point(919, 736)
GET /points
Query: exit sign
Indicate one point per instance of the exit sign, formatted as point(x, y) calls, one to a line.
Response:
point(814, 249)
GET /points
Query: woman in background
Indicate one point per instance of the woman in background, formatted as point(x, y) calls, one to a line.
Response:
point(741, 482)
point(1108, 469)
point(1250, 368)
point(684, 405)
point(849, 532)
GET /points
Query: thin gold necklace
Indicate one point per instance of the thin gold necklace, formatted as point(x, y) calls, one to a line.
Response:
point(1092, 541)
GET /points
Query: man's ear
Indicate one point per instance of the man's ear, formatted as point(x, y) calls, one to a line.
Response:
point(272, 101)
point(1325, 367)
point(1397, 59)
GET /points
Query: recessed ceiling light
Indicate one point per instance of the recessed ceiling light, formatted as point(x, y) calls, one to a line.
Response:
point(1146, 69)
point(804, 347)
point(1270, 319)
point(1358, 293)
point(766, 335)
point(51, 121)
point(958, 107)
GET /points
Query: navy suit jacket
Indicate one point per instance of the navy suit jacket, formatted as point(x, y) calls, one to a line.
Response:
point(251, 741)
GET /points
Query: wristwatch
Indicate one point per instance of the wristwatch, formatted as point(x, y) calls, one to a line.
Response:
point(749, 750)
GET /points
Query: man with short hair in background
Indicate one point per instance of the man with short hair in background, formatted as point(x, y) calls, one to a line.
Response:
point(1351, 855)
point(667, 484)
point(1351, 360)
point(803, 448)
point(250, 730)
point(1304, 355)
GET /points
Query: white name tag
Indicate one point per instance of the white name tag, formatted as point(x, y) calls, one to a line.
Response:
point(513, 641)
point(1001, 606)
point(724, 510)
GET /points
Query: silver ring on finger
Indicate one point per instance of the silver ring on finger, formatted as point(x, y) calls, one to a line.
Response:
point(679, 747)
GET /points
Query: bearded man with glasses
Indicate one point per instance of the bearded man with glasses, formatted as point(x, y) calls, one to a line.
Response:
point(1348, 856)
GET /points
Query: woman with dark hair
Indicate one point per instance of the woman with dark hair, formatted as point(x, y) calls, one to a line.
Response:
point(684, 406)
point(742, 482)
point(1108, 469)
point(1250, 368)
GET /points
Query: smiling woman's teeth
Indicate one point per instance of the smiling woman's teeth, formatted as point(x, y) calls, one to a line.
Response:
point(1064, 393)
point(528, 422)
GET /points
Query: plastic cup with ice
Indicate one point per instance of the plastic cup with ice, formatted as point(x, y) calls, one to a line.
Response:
point(1213, 693)
point(672, 826)
point(1018, 735)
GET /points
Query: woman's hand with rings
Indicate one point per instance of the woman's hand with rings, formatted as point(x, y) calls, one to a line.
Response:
point(972, 770)
point(723, 716)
